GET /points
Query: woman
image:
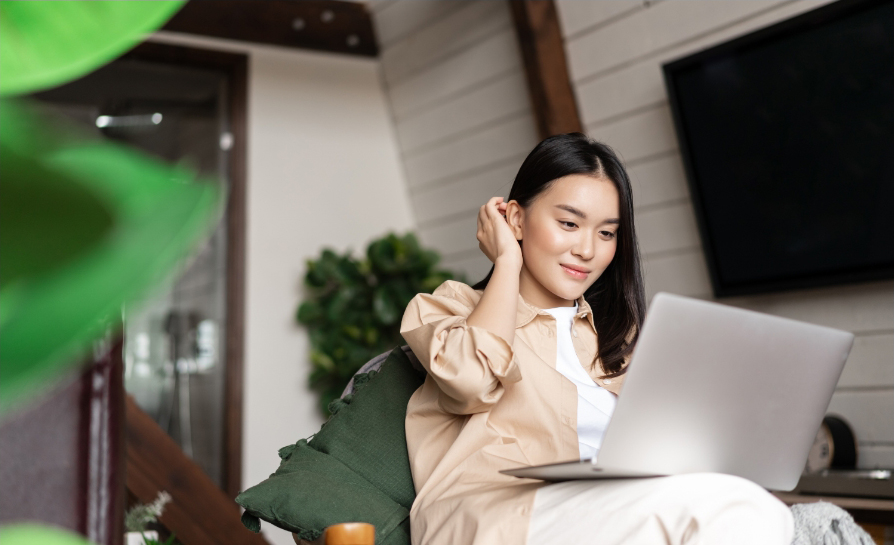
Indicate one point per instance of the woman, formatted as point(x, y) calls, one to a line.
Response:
point(516, 377)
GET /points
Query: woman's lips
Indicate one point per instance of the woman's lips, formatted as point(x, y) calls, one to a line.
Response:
point(579, 275)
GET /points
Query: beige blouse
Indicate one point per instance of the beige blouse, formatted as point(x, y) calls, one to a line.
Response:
point(487, 406)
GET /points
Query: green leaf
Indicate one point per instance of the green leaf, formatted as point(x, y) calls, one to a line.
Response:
point(44, 44)
point(339, 303)
point(39, 534)
point(383, 306)
point(321, 360)
point(351, 331)
point(104, 224)
point(381, 254)
point(309, 312)
point(314, 277)
point(429, 259)
point(349, 271)
point(371, 336)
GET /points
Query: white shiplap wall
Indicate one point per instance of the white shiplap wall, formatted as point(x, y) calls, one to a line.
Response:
point(615, 50)
point(453, 73)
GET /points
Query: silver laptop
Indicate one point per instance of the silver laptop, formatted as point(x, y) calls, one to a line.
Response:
point(716, 388)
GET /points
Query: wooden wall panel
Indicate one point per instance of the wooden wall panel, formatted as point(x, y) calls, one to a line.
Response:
point(640, 84)
point(473, 152)
point(456, 86)
point(659, 180)
point(581, 17)
point(869, 364)
point(683, 272)
point(401, 18)
point(875, 456)
point(640, 135)
point(667, 228)
point(454, 236)
point(625, 91)
point(663, 25)
point(495, 101)
point(449, 34)
point(466, 195)
point(862, 410)
point(495, 56)
point(857, 307)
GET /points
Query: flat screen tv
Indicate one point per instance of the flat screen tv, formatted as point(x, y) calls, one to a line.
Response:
point(787, 138)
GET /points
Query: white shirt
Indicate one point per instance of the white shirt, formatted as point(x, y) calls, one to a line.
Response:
point(595, 404)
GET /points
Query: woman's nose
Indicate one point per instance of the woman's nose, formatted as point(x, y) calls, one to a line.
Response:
point(584, 248)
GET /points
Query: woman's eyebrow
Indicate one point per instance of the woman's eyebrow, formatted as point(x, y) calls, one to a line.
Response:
point(580, 214)
point(573, 210)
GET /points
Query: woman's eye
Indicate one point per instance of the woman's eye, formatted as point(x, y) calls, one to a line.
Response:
point(608, 234)
point(568, 224)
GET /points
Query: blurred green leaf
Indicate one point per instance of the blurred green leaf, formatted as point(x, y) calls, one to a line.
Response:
point(351, 331)
point(85, 226)
point(322, 360)
point(371, 336)
point(44, 44)
point(384, 307)
point(309, 312)
point(39, 534)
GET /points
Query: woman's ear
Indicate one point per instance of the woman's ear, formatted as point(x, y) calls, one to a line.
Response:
point(515, 216)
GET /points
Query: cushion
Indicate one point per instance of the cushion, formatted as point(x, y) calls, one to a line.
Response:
point(355, 469)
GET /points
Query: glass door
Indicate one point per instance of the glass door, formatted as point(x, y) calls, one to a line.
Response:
point(174, 342)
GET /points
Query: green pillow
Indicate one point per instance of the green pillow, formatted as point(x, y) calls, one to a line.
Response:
point(355, 469)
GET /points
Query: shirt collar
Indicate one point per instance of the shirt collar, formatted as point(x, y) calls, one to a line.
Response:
point(527, 312)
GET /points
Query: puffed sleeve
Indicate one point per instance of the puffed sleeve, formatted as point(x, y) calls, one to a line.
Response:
point(469, 364)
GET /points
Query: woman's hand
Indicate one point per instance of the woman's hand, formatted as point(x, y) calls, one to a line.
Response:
point(495, 238)
point(497, 309)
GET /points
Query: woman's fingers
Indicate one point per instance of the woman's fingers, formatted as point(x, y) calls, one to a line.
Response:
point(496, 206)
point(488, 238)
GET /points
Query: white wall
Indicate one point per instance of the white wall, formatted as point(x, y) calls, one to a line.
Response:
point(323, 170)
point(456, 87)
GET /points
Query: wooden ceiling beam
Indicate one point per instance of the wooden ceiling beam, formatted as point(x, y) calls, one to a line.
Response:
point(543, 51)
point(323, 25)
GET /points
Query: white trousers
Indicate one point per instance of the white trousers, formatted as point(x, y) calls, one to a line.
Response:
point(697, 508)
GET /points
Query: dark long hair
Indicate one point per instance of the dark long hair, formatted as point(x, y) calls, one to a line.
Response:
point(617, 298)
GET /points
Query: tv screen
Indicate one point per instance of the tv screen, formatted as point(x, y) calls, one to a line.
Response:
point(787, 137)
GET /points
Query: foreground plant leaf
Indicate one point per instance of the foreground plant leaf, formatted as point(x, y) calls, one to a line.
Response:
point(38, 534)
point(44, 44)
point(85, 226)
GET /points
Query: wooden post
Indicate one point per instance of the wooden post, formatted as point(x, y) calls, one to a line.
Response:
point(543, 51)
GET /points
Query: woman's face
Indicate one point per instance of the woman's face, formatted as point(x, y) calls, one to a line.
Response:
point(569, 237)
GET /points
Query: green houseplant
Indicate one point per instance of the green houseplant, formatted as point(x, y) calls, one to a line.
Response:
point(354, 306)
